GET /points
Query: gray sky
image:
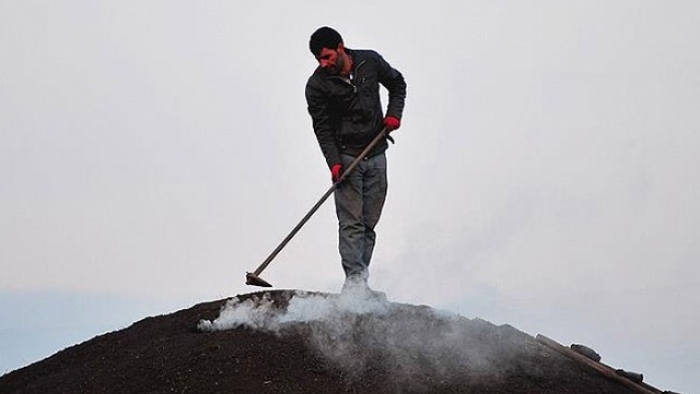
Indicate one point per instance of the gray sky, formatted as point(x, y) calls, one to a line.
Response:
point(545, 174)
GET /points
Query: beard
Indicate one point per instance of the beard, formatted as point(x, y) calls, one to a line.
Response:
point(336, 68)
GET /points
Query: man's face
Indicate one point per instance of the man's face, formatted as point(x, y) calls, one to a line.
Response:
point(331, 60)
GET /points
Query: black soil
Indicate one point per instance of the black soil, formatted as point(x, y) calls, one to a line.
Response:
point(169, 354)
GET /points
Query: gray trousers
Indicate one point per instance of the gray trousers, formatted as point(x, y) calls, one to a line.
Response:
point(359, 200)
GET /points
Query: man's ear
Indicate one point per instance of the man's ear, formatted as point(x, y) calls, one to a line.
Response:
point(341, 48)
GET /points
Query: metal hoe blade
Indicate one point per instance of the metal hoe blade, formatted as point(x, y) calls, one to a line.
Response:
point(254, 280)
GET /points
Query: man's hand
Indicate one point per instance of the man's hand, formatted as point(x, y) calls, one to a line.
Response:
point(391, 123)
point(336, 172)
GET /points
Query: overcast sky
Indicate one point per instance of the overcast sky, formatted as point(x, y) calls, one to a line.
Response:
point(545, 174)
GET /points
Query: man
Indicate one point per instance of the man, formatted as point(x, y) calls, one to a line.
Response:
point(344, 103)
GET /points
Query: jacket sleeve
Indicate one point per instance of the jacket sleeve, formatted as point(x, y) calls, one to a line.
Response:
point(317, 105)
point(394, 82)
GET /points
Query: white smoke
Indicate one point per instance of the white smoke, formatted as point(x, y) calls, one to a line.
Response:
point(261, 313)
point(252, 313)
point(353, 332)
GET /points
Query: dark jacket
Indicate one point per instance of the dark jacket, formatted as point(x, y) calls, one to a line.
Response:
point(347, 113)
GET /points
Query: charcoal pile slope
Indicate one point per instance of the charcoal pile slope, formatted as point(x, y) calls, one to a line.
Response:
point(296, 342)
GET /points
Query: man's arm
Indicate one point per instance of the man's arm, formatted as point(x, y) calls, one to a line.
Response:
point(317, 105)
point(394, 82)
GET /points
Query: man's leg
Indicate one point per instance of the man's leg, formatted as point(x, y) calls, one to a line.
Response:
point(351, 232)
point(374, 195)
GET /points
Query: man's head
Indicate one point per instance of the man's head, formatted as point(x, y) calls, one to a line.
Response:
point(324, 37)
point(327, 46)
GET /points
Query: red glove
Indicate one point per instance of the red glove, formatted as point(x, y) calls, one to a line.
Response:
point(392, 123)
point(336, 172)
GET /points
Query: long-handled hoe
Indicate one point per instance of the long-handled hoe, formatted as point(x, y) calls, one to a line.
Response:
point(253, 278)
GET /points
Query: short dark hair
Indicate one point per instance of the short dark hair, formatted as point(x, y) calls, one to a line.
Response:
point(324, 37)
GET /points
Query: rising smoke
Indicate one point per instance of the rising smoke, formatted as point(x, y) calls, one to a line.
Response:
point(357, 334)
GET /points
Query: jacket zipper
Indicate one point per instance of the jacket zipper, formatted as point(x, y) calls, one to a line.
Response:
point(350, 81)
